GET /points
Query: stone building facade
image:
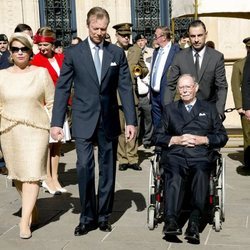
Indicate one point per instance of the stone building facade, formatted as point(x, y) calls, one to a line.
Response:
point(227, 33)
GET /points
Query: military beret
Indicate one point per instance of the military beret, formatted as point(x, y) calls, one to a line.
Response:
point(123, 28)
point(3, 37)
point(247, 41)
point(139, 36)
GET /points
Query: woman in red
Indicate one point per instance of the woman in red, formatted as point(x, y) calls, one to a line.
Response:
point(47, 58)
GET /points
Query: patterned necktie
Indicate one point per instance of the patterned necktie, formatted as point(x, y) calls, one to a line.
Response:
point(189, 107)
point(197, 65)
point(156, 66)
point(97, 63)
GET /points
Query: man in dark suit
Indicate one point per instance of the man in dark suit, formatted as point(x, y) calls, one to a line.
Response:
point(98, 69)
point(162, 59)
point(189, 132)
point(205, 63)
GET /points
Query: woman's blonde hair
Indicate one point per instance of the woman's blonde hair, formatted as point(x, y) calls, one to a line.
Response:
point(23, 39)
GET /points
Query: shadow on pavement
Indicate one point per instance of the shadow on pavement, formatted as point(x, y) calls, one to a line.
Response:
point(123, 201)
point(144, 155)
point(242, 170)
point(68, 146)
point(52, 208)
point(239, 157)
point(68, 177)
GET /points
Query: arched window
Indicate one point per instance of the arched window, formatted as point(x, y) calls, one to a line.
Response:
point(60, 15)
point(148, 14)
point(179, 24)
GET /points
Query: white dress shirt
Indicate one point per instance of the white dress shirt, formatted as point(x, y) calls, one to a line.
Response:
point(201, 55)
point(92, 48)
point(160, 68)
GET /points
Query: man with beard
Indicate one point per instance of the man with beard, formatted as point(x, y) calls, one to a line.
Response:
point(206, 64)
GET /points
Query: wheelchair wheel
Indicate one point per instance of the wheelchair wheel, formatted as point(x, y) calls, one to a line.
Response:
point(217, 221)
point(151, 218)
point(223, 190)
point(151, 191)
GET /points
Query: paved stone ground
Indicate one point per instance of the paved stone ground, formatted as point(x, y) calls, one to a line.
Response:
point(60, 214)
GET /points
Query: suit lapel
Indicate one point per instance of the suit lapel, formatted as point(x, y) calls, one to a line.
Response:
point(188, 117)
point(204, 64)
point(88, 62)
point(169, 58)
point(190, 61)
point(106, 60)
point(185, 114)
point(195, 109)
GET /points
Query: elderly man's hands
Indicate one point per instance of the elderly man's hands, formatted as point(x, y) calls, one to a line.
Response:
point(189, 140)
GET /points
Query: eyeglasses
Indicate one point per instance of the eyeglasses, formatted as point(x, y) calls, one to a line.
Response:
point(188, 87)
point(157, 37)
point(17, 49)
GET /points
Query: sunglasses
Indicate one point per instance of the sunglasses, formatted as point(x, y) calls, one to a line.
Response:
point(17, 49)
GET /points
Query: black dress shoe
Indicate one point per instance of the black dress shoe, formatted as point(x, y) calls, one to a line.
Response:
point(192, 233)
point(171, 228)
point(123, 167)
point(82, 229)
point(105, 226)
point(135, 166)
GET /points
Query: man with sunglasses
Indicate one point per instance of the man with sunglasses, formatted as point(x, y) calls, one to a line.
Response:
point(127, 151)
point(4, 52)
point(162, 59)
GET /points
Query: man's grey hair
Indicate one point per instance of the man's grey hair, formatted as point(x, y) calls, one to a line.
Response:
point(187, 75)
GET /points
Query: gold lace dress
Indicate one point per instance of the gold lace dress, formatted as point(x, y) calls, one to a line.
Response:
point(24, 123)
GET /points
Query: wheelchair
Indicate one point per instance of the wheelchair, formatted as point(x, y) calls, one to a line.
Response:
point(155, 193)
point(216, 194)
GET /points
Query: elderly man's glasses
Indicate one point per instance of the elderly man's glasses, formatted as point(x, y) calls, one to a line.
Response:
point(157, 37)
point(17, 49)
point(187, 87)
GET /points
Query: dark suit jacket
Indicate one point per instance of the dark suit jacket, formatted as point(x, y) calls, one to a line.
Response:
point(4, 60)
point(246, 84)
point(203, 120)
point(91, 99)
point(212, 79)
point(164, 82)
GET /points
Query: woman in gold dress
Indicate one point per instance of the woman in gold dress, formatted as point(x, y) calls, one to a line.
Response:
point(24, 129)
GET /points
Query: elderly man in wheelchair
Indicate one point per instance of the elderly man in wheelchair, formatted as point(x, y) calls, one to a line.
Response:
point(189, 132)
